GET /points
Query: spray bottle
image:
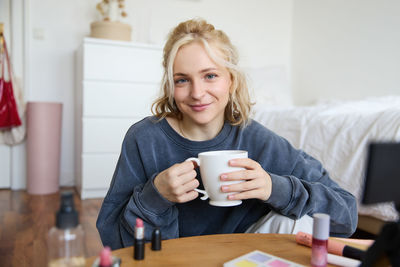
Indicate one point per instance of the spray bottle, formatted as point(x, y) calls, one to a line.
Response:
point(66, 239)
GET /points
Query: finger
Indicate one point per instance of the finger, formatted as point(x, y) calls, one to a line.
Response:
point(246, 163)
point(194, 163)
point(244, 186)
point(239, 175)
point(187, 187)
point(187, 177)
point(180, 168)
point(173, 182)
point(186, 166)
point(187, 196)
point(257, 193)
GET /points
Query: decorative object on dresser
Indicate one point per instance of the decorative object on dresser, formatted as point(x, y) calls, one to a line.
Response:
point(116, 83)
point(110, 27)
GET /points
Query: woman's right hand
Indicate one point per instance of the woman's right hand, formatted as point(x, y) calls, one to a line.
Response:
point(177, 183)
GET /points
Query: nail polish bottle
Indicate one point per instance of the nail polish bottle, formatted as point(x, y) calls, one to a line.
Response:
point(319, 247)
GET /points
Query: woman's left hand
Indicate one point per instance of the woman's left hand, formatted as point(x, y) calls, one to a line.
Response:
point(256, 181)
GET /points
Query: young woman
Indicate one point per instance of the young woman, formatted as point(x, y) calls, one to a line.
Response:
point(205, 106)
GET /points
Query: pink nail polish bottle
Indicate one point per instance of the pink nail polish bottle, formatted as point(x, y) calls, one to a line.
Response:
point(319, 248)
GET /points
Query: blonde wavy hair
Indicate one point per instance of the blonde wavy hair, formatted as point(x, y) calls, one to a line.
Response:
point(237, 110)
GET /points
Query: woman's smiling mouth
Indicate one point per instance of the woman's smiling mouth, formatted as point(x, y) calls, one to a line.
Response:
point(199, 107)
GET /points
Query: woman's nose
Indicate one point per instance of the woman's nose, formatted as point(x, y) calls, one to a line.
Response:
point(197, 90)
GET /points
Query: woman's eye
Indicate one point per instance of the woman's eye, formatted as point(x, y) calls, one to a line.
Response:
point(210, 76)
point(179, 81)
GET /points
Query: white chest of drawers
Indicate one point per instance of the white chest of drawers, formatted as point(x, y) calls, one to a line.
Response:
point(116, 83)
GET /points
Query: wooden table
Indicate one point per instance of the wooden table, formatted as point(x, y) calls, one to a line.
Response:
point(215, 250)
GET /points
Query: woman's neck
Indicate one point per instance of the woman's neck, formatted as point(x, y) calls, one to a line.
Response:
point(195, 132)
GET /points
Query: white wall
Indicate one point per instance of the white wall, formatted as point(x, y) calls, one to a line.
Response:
point(345, 49)
point(259, 28)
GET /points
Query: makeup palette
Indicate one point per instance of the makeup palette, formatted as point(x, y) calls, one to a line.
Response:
point(258, 258)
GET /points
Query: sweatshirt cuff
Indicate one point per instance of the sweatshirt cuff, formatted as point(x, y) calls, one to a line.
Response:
point(281, 193)
point(152, 200)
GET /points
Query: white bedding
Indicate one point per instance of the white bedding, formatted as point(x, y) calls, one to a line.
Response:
point(337, 134)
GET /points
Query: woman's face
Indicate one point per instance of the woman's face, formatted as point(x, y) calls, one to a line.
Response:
point(201, 86)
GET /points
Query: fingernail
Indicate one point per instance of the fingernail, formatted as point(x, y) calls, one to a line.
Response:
point(230, 197)
point(232, 161)
point(224, 188)
point(223, 176)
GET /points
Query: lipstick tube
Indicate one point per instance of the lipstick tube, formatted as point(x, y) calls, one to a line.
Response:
point(138, 253)
point(156, 239)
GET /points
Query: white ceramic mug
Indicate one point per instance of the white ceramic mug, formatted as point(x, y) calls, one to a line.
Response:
point(212, 164)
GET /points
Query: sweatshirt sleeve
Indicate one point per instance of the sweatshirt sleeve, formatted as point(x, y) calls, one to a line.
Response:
point(132, 195)
point(300, 184)
point(308, 189)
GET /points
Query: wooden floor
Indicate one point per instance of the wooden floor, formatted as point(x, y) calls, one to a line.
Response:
point(26, 219)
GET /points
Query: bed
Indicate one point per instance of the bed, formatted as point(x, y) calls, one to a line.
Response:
point(334, 132)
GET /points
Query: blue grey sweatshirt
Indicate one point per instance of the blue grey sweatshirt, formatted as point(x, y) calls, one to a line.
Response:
point(300, 185)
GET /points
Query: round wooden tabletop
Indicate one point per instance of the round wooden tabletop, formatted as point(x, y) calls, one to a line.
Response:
point(215, 250)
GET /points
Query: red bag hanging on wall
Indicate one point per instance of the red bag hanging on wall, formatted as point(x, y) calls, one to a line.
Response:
point(8, 108)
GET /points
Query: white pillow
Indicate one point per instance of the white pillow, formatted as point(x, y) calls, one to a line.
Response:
point(269, 86)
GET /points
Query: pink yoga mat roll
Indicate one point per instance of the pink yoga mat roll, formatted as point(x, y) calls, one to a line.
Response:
point(43, 147)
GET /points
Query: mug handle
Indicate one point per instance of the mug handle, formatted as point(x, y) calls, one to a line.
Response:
point(205, 195)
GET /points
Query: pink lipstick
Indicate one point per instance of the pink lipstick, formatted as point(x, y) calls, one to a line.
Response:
point(139, 240)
